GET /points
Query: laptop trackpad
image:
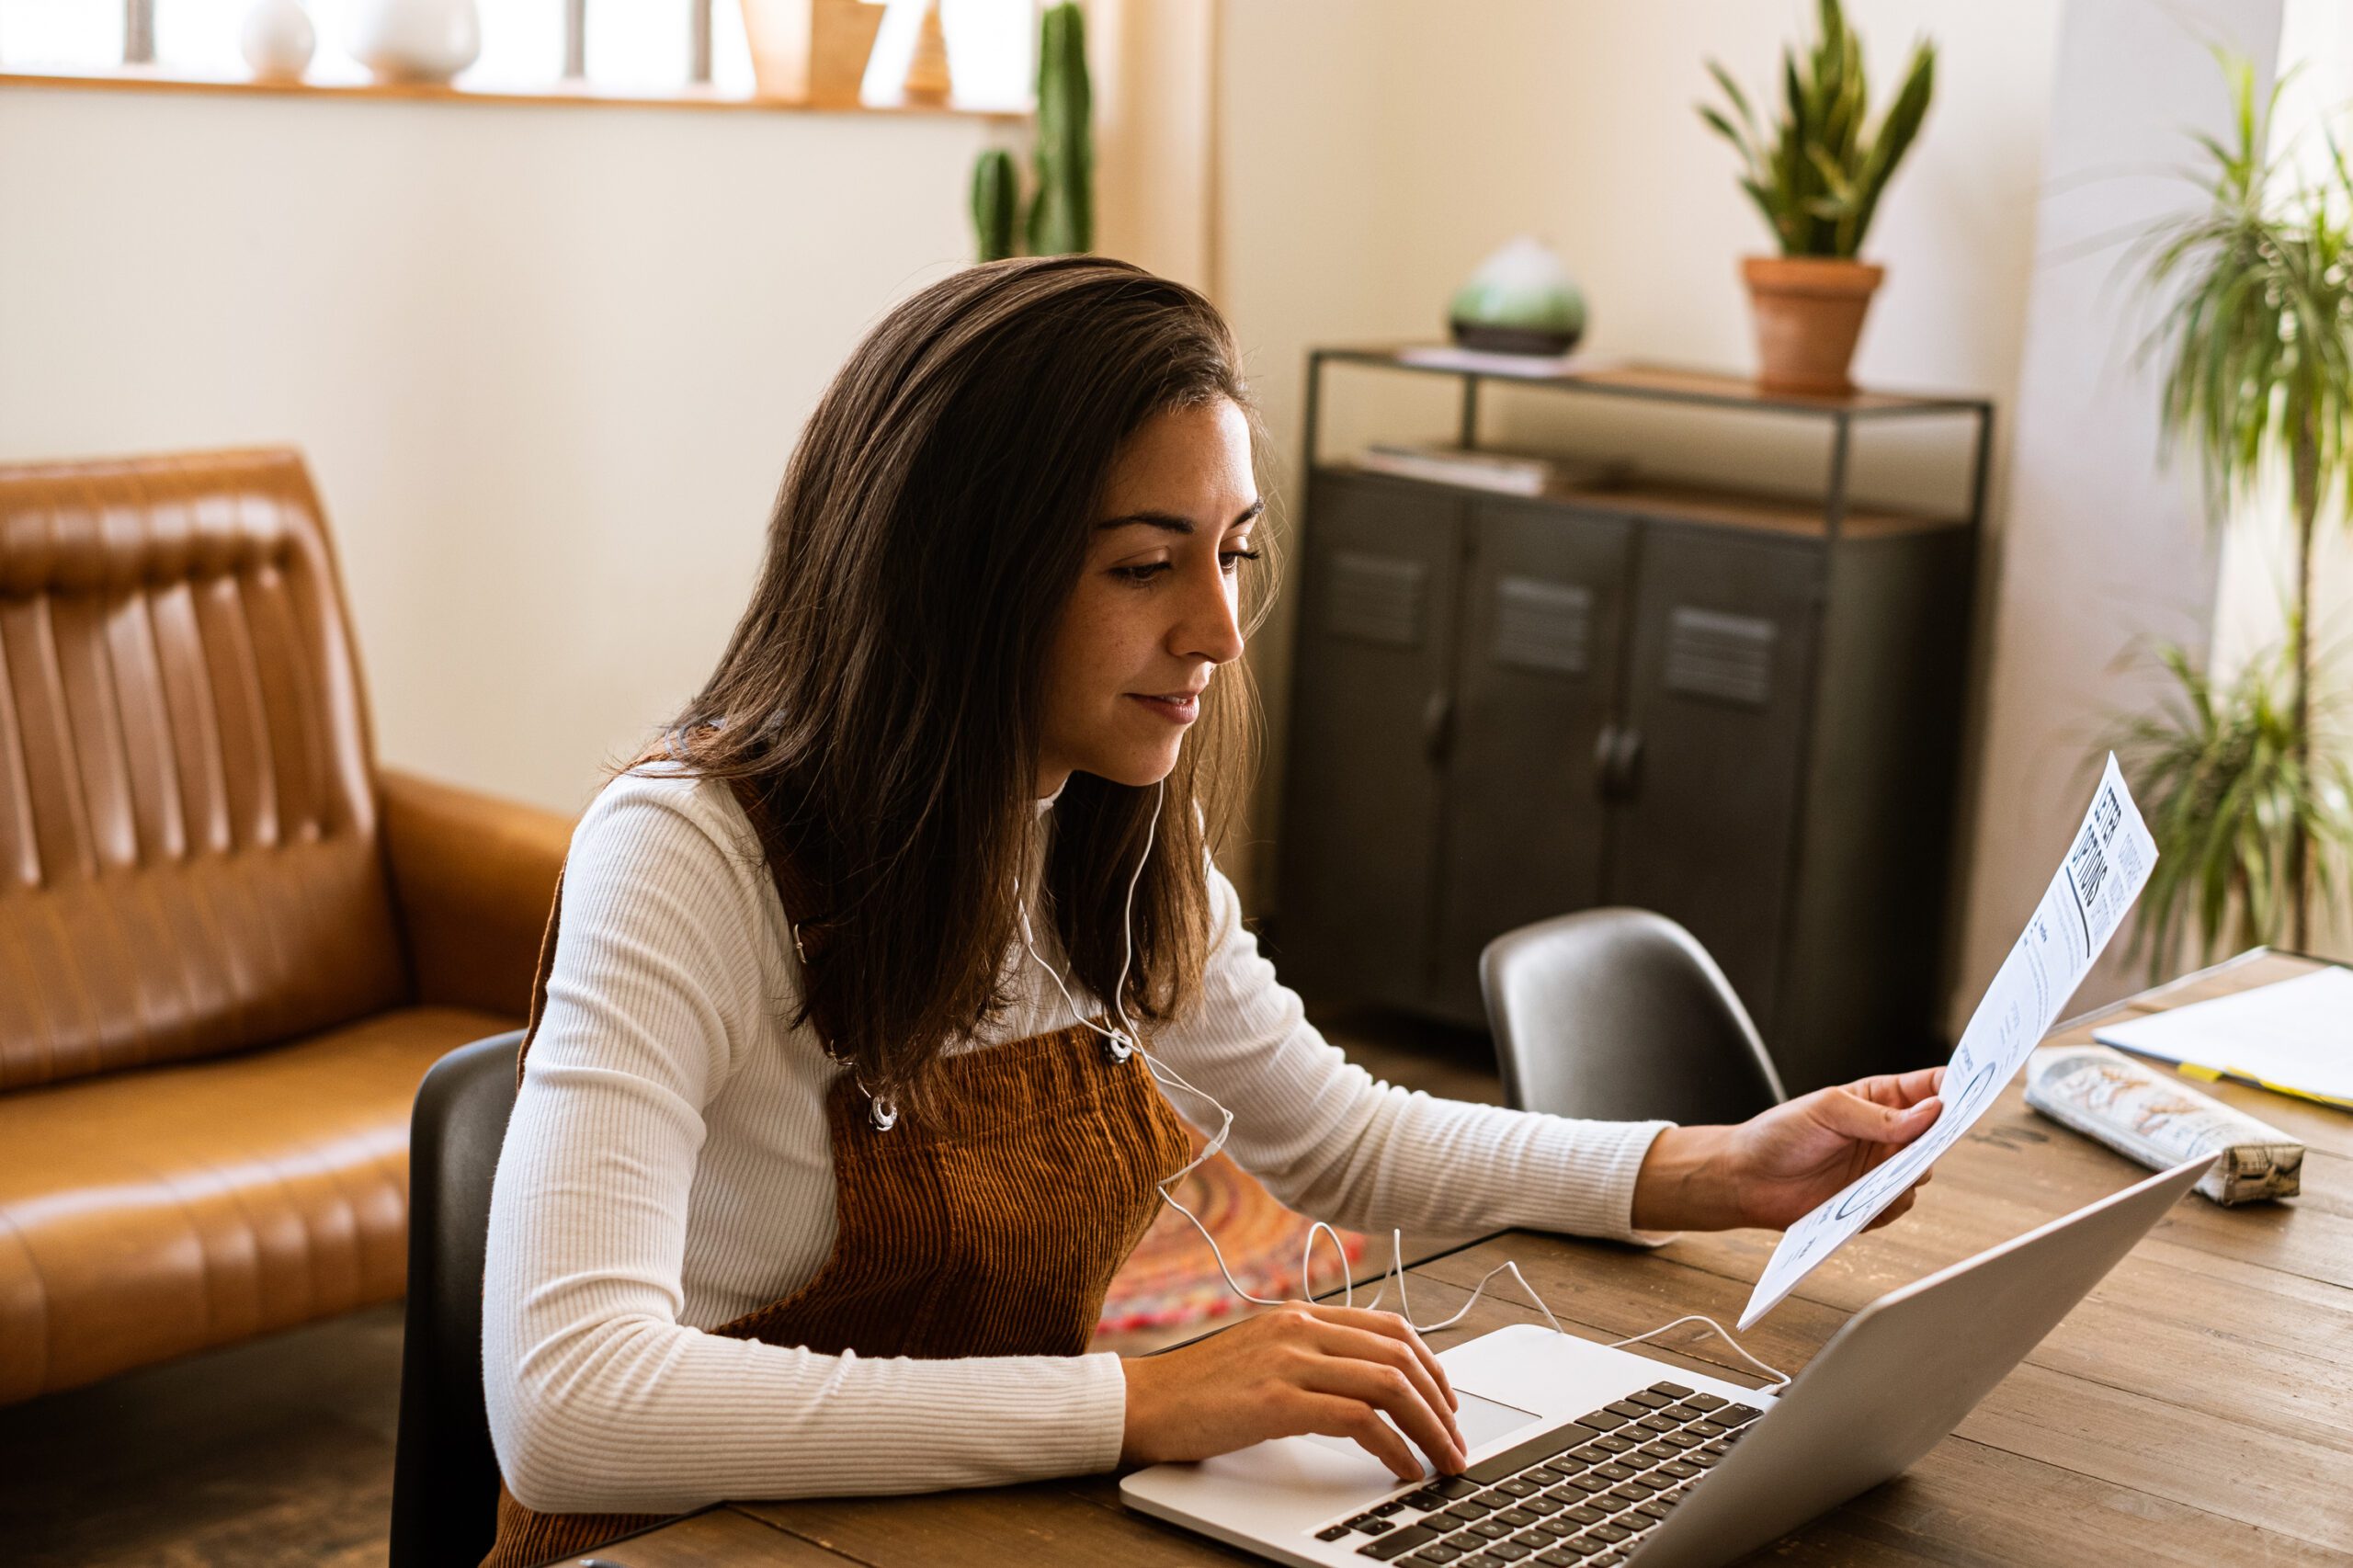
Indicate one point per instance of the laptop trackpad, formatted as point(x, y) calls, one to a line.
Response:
point(1482, 1420)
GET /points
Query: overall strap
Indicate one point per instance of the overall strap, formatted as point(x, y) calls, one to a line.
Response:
point(810, 934)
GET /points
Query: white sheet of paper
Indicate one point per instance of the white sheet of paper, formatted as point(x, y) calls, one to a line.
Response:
point(2294, 1034)
point(2107, 866)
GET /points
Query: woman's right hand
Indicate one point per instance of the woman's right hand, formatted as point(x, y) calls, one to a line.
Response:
point(1301, 1368)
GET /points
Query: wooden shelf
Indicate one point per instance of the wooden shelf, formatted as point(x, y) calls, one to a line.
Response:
point(1669, 501)
point(150, 79)
point(1660, 383)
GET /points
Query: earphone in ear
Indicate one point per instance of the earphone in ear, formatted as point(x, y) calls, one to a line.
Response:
point(1121, 1043)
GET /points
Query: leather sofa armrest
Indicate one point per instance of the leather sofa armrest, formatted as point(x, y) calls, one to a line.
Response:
point(473, 876)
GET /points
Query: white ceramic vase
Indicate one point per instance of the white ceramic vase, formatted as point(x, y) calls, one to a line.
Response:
point(276, 40)
point(415, 40)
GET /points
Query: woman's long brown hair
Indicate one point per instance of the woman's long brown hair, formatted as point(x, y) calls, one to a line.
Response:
point(883, 694)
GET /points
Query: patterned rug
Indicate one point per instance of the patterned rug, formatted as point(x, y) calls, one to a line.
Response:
point(1172, 1279)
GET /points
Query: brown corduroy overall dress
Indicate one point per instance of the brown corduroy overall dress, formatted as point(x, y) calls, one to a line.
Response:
point(991, 1228)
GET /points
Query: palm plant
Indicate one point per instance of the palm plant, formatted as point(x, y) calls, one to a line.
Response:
point(2255, 332)
point(2222, 778)
point(1815, 175)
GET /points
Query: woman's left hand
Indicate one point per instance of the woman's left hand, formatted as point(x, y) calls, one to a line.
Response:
point(1780, 1165)
point(1783, 1163)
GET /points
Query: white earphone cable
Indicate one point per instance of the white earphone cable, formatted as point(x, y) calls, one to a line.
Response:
point(1126, 1038)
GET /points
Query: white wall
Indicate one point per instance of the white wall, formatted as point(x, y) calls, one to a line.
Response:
point(1576, 123)
point(546, 362)
point(1373, 156)
point(1300, 188)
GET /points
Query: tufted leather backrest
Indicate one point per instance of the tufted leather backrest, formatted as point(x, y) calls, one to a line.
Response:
point(190, 861)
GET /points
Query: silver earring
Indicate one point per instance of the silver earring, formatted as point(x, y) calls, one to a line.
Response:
point(883, 1113)
point(1117, 1048)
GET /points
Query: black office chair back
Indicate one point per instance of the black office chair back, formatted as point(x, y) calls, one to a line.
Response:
point(445, 1475)
point(1619, 1014)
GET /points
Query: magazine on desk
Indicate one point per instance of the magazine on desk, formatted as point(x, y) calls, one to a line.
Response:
point(2149, 1118)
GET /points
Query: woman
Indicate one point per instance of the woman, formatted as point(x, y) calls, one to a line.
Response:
point(832, 1131)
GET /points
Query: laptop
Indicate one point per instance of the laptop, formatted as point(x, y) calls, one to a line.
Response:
point(1582, 1456)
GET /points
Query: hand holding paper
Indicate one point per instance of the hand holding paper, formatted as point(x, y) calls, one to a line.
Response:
point(1787, 1160)
point(2105, 870)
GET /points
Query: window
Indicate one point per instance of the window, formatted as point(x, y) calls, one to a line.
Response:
point(632, 46)
point(78, 34)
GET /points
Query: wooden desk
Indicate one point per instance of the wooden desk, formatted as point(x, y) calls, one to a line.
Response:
point(2196, 1408)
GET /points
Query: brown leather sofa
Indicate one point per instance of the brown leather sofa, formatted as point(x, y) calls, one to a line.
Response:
point(229, 946)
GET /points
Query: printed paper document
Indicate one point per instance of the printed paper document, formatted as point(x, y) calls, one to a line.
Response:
point(2105, 870)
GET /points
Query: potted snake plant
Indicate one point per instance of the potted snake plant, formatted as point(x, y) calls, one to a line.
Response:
point(1816, 173)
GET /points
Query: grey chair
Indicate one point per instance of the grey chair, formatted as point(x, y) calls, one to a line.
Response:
point(445, 1474)
point(1619, 1014)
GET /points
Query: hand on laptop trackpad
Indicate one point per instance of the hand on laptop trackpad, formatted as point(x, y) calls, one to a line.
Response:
point(1482, 1420)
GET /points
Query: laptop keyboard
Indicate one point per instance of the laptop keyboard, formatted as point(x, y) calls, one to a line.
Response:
point(1579, 1494)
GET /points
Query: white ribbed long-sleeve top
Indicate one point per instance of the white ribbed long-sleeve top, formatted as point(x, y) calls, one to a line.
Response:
point(668, 1167)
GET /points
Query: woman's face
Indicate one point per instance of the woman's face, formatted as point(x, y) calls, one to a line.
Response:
point(1155, 609)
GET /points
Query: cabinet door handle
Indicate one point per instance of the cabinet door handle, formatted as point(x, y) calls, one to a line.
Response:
point(1617, 754)
point(1629, 763)
point(1437, 727)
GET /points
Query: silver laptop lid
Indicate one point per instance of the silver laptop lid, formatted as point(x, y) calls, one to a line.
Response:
point(1900, 1374)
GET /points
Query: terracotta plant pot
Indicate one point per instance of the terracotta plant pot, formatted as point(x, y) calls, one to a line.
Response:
point(1809, 311)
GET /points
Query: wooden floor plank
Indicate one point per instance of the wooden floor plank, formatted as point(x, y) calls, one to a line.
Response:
point(274, 1454)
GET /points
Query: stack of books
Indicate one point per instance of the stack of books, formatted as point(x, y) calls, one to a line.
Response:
point(1513, 473)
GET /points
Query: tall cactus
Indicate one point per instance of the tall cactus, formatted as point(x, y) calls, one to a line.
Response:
point(1062, 215)
point(997, 196)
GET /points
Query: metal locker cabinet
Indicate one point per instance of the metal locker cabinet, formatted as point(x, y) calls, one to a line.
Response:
point(1543, 618)
point(1858, 991)
point(1372, 666)
point(1705, 773)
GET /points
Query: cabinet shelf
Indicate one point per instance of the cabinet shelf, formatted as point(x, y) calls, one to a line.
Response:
point(1670, 386)
point(1666, 384)
point(1673, 501)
